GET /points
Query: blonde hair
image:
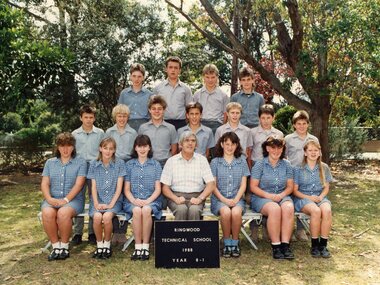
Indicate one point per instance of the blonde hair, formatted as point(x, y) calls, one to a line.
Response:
point(234, 105)
point(105, 141)
point(210, 69)
point(120, 109)
point(319, 160)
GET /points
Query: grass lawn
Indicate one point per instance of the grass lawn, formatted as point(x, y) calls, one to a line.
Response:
point(354, 245)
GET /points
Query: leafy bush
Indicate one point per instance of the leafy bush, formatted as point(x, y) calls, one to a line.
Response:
point(283, 119)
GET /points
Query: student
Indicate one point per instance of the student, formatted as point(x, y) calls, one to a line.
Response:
point(176, 93)
point(204, 134)
point(212, 98)
point(271, 184)
point(230, 170)
point(136, 97)
point(248, 98)
point(294, 152)
point(63, 178)
point(162, 134)
point(234, 111)
point(87, 139)
point(311, 186)
point(142, 189)
point(106, 173)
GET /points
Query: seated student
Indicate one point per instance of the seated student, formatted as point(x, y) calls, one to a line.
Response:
point(63, 178)
point(311, 186)
point(271, 184)
point(136, 97)
point(142, 189)
point(234, 111)
point(106, 174)
point(162, 134)
point(230, 170)
point(204, 134)
point(187, 180)
point(212, 98)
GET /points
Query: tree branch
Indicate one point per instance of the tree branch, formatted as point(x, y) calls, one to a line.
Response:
point(39, 18)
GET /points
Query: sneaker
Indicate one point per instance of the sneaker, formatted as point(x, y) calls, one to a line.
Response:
point(76, 240)
point(136, 254)
point(144, 254)
point(64, 254)
point(324, 252)
point(91, 239)
point(288, 254)
point(98, 253)
point(314, 251)
point(235, 251)
point(254, 231)
point(107, 253)
point(301, 235)
point(227, 251)
point(277, 254)
point(54, 255)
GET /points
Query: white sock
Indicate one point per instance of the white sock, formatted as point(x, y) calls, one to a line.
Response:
point(107, 244)
point(65, 245)
point(99, 244)
point(145, 246)
point(138, 246)
point(56, 245)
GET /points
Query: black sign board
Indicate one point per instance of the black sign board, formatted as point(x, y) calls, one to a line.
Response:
point(187, 244)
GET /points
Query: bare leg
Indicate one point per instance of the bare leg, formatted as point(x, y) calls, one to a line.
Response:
point(49, 221)
point(326, 219)
point(107, 224)
point(314, 212)
point(64, 221)
point(225, 221)
point(137, 224)
point(236, 221)
point(273, 211)
point(146, 223)
point(97, 225)
point(287, 221)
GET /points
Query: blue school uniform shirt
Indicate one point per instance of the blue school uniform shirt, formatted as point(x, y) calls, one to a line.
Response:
point(87, 144)
point(143, 177)
point(251, 104)
point(205, 138)
point(308, 180)
point(63, 176)
point(137, 102)
point(272, 179)
point(124, 141)
point(228, 175)
point(106, 178)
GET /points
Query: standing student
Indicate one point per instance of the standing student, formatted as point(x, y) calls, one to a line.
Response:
point(87, 139)
point(162, 134)
point(212, 98)
point(271, 184)
point(204, 134)
point(176, 93)
point(136, 97)
point(106, 173)
point(248, 98)
point(295, 154)
point(311, 186)
point(230, 170)
point(142, 189)
point(63, 178)
point(234, 111)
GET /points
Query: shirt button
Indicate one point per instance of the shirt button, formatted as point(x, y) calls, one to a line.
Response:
point(61, 184)
point(106, 181)
point(106, 172)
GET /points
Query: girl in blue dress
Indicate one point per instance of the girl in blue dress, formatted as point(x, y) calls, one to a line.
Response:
point(63, 178)
point(142, 189)
point(311, 186)
point(230, 170)
point(271, 184)
point(106, 174)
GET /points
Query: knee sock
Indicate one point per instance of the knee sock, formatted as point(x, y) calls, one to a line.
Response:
point(323, 241)
point(314, 242)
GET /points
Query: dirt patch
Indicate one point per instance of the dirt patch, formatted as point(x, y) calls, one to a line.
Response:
point(20, 178)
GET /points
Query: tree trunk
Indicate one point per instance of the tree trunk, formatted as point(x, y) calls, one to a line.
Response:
point(235, 59)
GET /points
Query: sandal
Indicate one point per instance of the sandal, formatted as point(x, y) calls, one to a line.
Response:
point(136, 254)
point(98, 253)
point(145, 254)
point(107, 253)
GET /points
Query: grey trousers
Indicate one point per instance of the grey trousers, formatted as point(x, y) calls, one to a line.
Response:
point(187, 211)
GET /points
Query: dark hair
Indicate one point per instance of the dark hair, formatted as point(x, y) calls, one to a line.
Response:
point(142, 140)
point(274, 141)
point(157, 99)
point(224, 138)
point(173, 59)
point(266, 109)
point(62, 139)
point(246, 72)
point(300, 115)
point(87, 109)
point(194, 105)
point(137, 67)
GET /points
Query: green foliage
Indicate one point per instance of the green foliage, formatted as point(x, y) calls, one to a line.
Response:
point(11, 122)
point(283, 119)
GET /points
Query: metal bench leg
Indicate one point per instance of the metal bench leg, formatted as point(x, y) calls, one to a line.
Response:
point(46, 248)
point(248, 238)
point(304, 222)
point(128, 242)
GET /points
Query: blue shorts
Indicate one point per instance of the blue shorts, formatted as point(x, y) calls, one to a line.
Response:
point(216, 205)
point(257, 203)
point(300, 203)
point(76, 204)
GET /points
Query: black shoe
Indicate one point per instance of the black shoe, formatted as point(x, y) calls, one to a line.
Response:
point(136, 254)
point(235, 251)
point(277, 254)
point(54, 255)
point(98, 253)
point(227, 251)
point(91, 239)
point(107, 253)
point(144, 254)
point(315, 252)
point(64, 254)
point(324, 252)
point(76, 240)
point(288, 254)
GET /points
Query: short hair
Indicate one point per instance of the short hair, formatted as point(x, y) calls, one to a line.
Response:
point(194, 105)
point(63, 139)
point(142, 140)
point(120, 109)
point(274, 141)
point(157, 99)
point(137, 67)
point(210, 69)
point(246, 72)
point(234, 105)
point(105, 141)
point(186, 135)
point(224, 138)
point(173, 59)
point(87, 109)
point(300, 115)
point(266, 109)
